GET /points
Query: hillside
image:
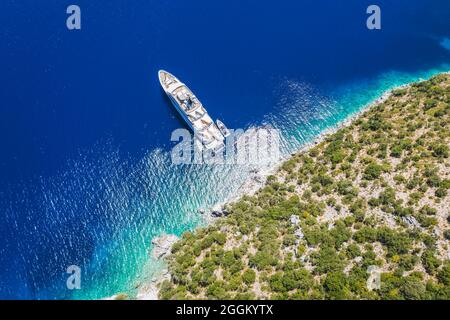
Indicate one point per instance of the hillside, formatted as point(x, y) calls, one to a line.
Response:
point(373, 194)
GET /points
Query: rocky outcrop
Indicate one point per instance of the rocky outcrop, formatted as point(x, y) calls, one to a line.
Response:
point(411, 221)
point(219, 213)
point(161, 248)
point(149, 290)
point(162, 245)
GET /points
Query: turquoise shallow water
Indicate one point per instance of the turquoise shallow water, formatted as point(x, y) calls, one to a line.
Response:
point(190, 186)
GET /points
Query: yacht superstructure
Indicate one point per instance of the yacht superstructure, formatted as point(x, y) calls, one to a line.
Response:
point(192, 111)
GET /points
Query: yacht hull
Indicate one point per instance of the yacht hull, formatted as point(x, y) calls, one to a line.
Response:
point(192, 111)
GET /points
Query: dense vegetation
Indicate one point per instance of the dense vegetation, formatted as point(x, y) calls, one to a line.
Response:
point(375, 193)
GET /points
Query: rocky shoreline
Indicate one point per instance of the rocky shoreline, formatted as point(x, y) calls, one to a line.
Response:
point(371, 194)
point(149, 291)
point(162, 245)
point(161, 249)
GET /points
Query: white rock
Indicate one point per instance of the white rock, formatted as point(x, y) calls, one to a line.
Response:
point(411, 221)
point(299, 234)
point(295, 220)
point(162, 245)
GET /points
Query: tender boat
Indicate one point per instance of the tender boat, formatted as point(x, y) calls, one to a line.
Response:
point(223, 129)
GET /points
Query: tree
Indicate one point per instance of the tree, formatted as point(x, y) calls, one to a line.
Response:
point(412, 288)
point(289, 240)
point(444, 274)
point(429, 103)
point(217, 291)
point(440, 150)
point(447, 234)
point(166, 290)
point(345, 187)
point(276, 282)
point(336, 286)
point(219, 237)
point(396, 242)
point(365, 234)
point(408, 261)
point(373, 171)
point(340, 234)
point(430, 262)
point(249, 276)
point(440, 192)
point(327, 260)
point(353, 251)
point(375, 122)
point(396, 151)
point(262, 260)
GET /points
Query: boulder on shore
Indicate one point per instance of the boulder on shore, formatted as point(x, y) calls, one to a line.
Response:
point(149, 290)
point(219, 213)
point(162, 245)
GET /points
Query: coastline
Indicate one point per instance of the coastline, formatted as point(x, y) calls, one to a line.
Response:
point(149, 290)
point(258, 179)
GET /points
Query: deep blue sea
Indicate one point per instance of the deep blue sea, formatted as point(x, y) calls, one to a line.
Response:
point(85, 171)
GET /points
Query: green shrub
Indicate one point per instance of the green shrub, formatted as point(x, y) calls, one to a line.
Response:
point(249, 276)
point(430, 262)
point(365, 234)
point(412, 288)
point(440, 150)
point(289, 240)
point(262, 260)
point(327, 260)
point(426, 209)
point(353, 251)
point(444, 274)
point(336, 286)
point(217, 291)
point(440, 192)
point(396, 151)
point(429, 103)
point(373, 171)
point(447, 234)
point(396, 242)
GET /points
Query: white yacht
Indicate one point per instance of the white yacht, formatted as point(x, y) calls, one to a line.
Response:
point(192, 111)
